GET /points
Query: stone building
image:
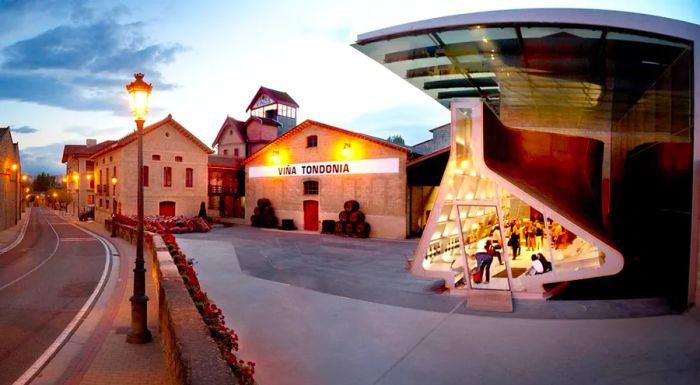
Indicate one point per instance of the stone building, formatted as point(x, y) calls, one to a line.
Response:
point(175, 172)
point(10, 171)
point(79, 180)
point(311, 170)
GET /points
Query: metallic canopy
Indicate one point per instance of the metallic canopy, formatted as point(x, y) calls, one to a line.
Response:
point(578, 69)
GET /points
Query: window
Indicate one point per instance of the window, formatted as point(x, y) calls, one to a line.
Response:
point(178, 159)
point(115, 170)
point(107, 180)
point(311, 187)
point(100, 202)
point(106, 203)
point(155, 157)
point(235, 152)
point(189, 177)
point(145, 176)
point(167, 176)
point(311, 141)
point(225, 152)
point(110, 158)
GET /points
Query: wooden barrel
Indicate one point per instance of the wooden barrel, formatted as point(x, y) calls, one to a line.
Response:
point(343, 216)
point(271, 221)
point(349, 228)
point(362, 229)
point(339, 227)
point(351, 205)
point(264, 202)
point(328, 226)
point(356, 216)
point(256, 211)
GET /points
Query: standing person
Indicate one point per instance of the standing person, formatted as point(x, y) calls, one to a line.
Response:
point(530, 232)
point(483, 261)
point(557, 234)
point(492, 251)
point(514, 241)
point(539, 233)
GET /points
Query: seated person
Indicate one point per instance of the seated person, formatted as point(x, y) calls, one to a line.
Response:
point(536, 267)
point(546, 265)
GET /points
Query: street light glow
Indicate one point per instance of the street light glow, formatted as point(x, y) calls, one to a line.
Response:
point(114, 180)
point(139, 93)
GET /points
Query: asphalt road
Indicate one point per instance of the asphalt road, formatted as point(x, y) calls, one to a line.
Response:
point(44, 282)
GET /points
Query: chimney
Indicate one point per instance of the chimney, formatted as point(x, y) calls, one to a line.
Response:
point(90, 142)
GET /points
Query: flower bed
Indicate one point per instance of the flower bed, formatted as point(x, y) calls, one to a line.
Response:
point(226, 338)
point(160, 223)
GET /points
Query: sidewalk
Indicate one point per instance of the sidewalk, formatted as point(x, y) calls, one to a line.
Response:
point(97, 353)
point(329, 339)
point(12, 235)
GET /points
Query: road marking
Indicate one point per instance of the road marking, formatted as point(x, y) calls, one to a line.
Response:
point(20, 237)
point(76, 239)
point(21, 277)
point(48, 354)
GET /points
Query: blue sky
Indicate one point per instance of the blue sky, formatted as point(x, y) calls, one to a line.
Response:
point(64, 64)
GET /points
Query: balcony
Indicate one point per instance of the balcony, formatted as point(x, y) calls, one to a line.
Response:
point(213, 189)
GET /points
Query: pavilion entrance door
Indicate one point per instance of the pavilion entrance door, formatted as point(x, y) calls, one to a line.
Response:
point(311, 215)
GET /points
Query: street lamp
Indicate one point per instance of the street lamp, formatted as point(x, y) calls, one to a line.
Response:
point(139, 93)
point(114, 209)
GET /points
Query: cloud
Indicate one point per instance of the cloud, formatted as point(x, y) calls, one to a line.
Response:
point(43, 159)
point(83, 67)
point(24, 130)
point(92, 132)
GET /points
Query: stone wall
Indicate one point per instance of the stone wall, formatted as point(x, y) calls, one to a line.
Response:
point(191, 355)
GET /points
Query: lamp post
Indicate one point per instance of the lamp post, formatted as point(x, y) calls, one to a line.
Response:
point(139, 93)
point(114, 208)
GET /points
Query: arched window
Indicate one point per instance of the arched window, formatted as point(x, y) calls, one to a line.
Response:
point(311, 141)
point(310, 187)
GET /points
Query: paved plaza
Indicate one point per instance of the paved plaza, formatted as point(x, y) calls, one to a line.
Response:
point(319, 309)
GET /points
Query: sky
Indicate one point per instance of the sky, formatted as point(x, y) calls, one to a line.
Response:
point(64, 64)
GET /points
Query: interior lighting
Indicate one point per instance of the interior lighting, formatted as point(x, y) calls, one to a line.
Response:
point(470, 196)
point(472, 173)
point(464, 164)
point(484, 39)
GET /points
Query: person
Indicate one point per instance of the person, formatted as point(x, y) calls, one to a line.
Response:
point(514, 241)
point(483, 263)
point(539, 233)
point(491, 249)
point(536, 267)
point(546, 265)
point(530, 232)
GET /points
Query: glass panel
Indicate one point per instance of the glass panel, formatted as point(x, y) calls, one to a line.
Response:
point(479, 225)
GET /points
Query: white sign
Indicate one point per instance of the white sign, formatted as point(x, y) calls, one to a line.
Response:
point(366, 166)
point(264, 100)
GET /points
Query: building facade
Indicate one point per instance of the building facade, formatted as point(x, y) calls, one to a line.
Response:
point(581, 123)
point(175, 172)
point(10, 176)
point(313, 169)
point(79, 179)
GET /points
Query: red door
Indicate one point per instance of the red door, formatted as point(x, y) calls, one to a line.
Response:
point(311, 215)
point(167, 209)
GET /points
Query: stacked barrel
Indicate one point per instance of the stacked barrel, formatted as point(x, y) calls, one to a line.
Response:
point(264, 214)
point(351, 221)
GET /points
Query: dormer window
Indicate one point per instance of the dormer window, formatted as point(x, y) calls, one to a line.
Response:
point(311, 141)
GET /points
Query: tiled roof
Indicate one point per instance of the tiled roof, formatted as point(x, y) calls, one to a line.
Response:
point(223, 162)
point(277, 96)
point(308, 123)
point(146, 130)
point(425, 157)
point(229, 122)
point(83, 150)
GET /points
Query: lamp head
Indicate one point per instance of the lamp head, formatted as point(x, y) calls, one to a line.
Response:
point(139, 93)
point(14, 166)
point(114, 180)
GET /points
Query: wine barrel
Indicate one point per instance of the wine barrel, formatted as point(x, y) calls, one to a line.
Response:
point(351, 205)
point(256, 210)
point(264, 202)
point(339, 227)
point(267, 211)
point(356, 216)
point(343, 216)
point(271, 221)
point(349, 228)
point(362, 229)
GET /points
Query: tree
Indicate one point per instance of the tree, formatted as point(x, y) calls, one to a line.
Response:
point(43, 182)
point(396, 139)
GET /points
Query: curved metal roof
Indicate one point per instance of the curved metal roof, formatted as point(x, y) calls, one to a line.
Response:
point(565, 68)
